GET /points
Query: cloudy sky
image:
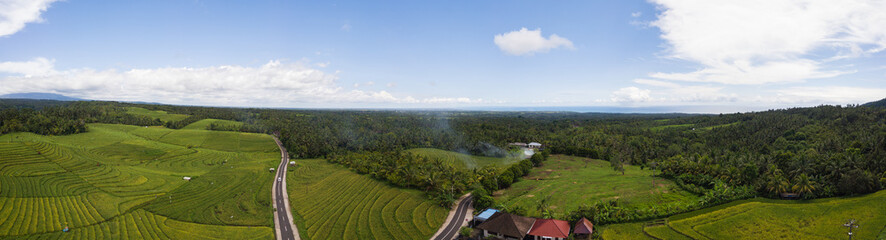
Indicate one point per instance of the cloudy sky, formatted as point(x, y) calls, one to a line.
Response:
point(723, 55)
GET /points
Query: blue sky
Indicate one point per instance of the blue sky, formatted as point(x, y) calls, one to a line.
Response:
point(724, 56)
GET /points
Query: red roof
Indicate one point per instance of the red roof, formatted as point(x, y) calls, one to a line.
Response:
point(550, 228)
point(584, 226)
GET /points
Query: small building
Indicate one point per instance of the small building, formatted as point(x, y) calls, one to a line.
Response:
point(517, 144)
point(271, 169)
point(789, 195)
point(583, 228)
point(549, 229)
point(187, 178)
point(534, 145)
point(291, 162)
point(506, 226)
point(483, 216)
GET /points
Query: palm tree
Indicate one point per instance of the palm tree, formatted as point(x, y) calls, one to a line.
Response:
point(803, 185)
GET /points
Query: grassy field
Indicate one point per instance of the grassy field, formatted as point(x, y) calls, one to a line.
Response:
point(769, 219)
point(203, 124)
point(464, 160)
point(162, 115)
point(331, 202)
point(572, 181)
point(121, 181)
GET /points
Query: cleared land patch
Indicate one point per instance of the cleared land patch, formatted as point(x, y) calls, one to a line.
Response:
point(331, 202)
point(119, 182)
point(572, 181)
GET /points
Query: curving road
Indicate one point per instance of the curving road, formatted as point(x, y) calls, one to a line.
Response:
point(283, 224)
point(450, 229)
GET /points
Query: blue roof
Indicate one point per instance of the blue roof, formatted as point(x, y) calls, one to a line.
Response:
point(486, 214)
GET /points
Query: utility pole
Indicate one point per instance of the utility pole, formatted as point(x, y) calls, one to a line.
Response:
point(850, 224)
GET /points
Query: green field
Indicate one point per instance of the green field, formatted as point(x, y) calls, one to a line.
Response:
point(331, 202)
point(162, 115)
point(121, 181)
point(464, 160)
point(769, 219)
point(204, 124)
point(572, 181)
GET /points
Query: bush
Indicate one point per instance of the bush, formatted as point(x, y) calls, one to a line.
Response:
point(482, 200)
point(465, 231)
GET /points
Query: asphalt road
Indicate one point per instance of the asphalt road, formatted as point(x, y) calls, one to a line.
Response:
point(454, 224)
point(283, 216)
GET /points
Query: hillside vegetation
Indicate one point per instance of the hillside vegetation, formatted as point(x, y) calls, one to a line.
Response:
point(331, 202)
point(123, 181)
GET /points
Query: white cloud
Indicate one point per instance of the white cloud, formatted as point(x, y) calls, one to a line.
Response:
point(762, 41)
point(275, 83)
point(391, 84)
point(657, 83)
point(451, 100)
point(529, 42)
point(14, 14)
point(36, 67)
point(636, 14)
point(828, 95)
point(346, 27)
point(676, 93)
point(631, 94)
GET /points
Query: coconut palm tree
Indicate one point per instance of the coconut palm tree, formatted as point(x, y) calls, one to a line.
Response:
point(803, 185)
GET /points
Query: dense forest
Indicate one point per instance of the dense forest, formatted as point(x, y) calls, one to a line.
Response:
point(814, 152)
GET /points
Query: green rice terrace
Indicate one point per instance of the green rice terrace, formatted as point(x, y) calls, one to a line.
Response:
point(464, 160)
point(569, 182)
point(761, 218)
point(162, 115)
point(127, 182)
point(331, 202)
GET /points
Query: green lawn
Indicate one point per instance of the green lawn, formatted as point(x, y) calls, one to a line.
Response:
point(162, 115)
point(573, 181)
point(120, 181)
point(464, 160)
point(771, 219)
point(331, 202)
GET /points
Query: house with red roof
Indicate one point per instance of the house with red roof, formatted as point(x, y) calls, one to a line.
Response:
point(583, 228)
point(549, 229)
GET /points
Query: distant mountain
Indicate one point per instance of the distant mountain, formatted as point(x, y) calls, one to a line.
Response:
point(41, 96)
point(881, 103)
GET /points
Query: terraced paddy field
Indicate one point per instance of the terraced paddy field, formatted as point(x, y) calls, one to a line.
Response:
point(162, 115)
point(331, 202)
point(464, 160)
point(570, 181)
point(204, 124)
point(126, 182)
point(768, 219)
